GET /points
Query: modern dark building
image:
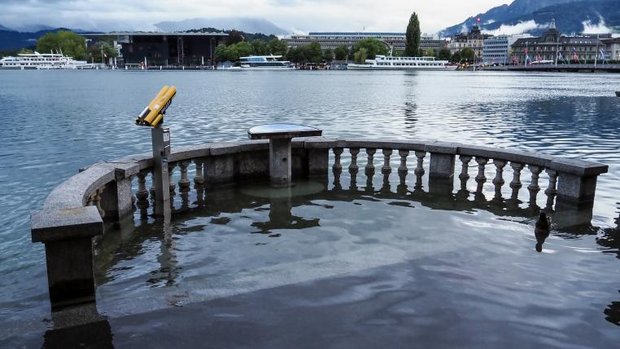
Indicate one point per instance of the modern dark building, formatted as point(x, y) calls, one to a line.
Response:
point(180, 49)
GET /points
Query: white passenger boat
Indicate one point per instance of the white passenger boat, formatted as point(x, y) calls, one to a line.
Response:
point(270, 62)
point(382, 62)
point(38, 60)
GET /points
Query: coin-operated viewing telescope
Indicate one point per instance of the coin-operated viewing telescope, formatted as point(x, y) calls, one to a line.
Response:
point(153, 114)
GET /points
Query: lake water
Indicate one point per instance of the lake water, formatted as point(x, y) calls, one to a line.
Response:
point(54, 122)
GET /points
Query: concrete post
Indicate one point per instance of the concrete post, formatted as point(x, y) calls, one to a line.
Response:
point(280, 161)
point(441, 168)
point(67, 235)
point(318, 161)
point(219, 169)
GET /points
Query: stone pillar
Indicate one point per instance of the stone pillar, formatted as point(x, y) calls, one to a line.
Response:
point(67, 235)
point(280, 161)
point(318, 161)
point(576, 181)
point(577, 190)
point(441, 168)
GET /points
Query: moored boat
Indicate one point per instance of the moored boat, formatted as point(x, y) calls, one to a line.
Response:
point(271, 62)
point(39, 61)
point(382, 62)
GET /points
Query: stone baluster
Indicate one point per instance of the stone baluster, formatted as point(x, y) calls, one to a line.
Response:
point(515, 184)
point(551, 190)
point(464, 176)
point(402, 172)
point(142, 195)
point(480, 177)
point(370, 166)
point(498, 181)
point(386, 169)
point(184, 181)
point(353, 167)
point(199, 178)
point(184, 184)
point(199, 181)
point(171, 167)
point(402, 169)
point(337, 168)
point(419, 168)
point(533, 187)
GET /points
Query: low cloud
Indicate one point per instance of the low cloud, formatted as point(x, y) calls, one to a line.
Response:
point(519, 28)
point(599, 28)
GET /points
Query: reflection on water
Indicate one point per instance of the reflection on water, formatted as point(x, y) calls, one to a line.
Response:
point(56, 122)
point(487, 236)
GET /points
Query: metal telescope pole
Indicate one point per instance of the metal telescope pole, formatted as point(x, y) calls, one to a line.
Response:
point(160, 137)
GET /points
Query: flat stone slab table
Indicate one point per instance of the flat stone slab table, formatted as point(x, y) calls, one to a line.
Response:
point(279, 136)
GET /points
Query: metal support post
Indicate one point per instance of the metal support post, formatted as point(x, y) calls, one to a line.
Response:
point(161, 180)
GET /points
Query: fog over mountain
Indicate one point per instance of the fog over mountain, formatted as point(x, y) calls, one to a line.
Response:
point(534, 16)
point(245, 24)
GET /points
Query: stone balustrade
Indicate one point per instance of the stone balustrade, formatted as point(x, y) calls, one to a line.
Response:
point(75, 211)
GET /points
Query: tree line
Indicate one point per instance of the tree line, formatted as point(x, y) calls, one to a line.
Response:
point(239, 44)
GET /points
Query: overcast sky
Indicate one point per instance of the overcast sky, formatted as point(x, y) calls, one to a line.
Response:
point(293, 15)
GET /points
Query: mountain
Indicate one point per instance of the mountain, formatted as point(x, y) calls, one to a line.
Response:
point(245, 24)
point(14, 40)
point(533, 16)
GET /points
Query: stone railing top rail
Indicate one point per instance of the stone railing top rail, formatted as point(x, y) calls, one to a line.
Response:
point(75, 191)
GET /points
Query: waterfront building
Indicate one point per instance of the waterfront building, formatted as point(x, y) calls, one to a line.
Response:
point(612, 48)
point(331, 40)
point(474, 40)
point(172, 48)
point(552, 46)
point(496, 49)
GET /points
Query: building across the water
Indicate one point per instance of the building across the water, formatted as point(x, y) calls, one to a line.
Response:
point(331, 40)
point(497, 49)
point(554, 47)
point(474, 40)
point(165, 49)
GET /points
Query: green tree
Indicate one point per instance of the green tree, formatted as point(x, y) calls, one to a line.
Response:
point(260, 47)
point(444, 54)
point(313, 52)
point(234, 37)
point(360, 55)
point(413, 36)
point(429, 52)
point(101, 51)
point(243, 49)
point(328, 55)
point(456, 57)
point(341, 52)
point(67, 42)
point(372, 46)
point(468, 54)
point(277, 47)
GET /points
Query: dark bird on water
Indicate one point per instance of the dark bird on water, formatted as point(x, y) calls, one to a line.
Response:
point(541, 231)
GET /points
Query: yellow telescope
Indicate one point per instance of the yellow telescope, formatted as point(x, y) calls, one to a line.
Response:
point(153, 114)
